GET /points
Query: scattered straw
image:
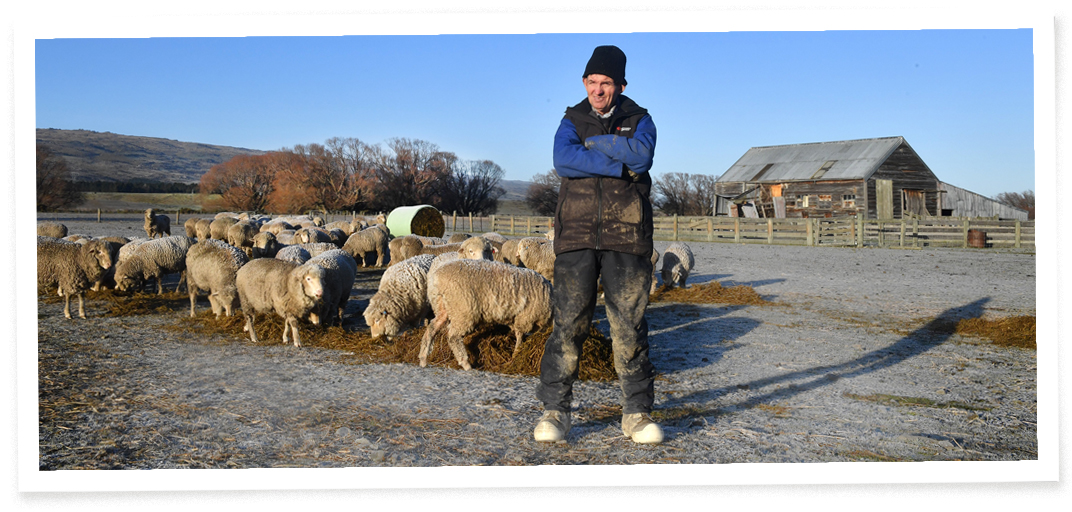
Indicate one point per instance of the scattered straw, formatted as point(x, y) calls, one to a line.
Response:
point(709, 293)
point(1017, 331)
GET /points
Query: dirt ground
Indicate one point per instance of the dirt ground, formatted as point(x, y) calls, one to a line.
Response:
point(852, 361)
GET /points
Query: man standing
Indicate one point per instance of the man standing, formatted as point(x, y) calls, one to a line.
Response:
point(603, 227)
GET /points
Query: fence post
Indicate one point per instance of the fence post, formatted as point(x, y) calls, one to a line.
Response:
point(98, 215)
point(737, 229)
point(902, 231)
point(770, 231)
point(915, 232)
point(512, 232)
point(809, 240)
point(965, 229)
point(1016, 237)
point(528, 226)
point(710, 231)
point(454, 221)
point(675, 227)
point(881, 234)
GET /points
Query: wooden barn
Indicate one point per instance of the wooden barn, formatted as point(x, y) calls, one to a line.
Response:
point(880, 178)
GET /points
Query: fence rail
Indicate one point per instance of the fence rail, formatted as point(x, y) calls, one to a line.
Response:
point(827, 232)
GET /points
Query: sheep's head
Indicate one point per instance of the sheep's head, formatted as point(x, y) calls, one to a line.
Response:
point(311, 279)
point(126, 278)
point(100, 252)
point(477, 248)
point(381, 323)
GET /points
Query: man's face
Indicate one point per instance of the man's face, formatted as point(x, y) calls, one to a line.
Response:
point(602, 93)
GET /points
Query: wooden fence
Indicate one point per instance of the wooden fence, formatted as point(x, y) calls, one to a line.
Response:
point(826, 232)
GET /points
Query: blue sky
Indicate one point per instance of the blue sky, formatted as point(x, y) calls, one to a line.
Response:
point(963, 98)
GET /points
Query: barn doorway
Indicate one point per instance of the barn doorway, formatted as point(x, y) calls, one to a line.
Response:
point(914, 202)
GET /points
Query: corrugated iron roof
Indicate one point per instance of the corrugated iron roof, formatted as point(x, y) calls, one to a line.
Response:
point(851, 160)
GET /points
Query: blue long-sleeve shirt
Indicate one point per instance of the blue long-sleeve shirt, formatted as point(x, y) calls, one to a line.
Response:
point(606, 153)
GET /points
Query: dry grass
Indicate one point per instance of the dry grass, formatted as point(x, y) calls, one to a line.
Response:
point(912, 401)
point(1017, 331)
point(709, 293)
point(490, 348)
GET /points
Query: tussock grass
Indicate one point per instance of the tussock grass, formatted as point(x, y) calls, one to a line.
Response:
point(490, 348)
point(709, 293)
point(1017, 331)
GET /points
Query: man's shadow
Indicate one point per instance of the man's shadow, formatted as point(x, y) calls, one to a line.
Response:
point(926, 337)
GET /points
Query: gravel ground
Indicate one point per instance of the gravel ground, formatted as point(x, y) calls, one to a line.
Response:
point(847, 365)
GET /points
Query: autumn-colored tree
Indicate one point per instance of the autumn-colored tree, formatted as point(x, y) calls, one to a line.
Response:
point(54, 188)
point(409, 172)
point(1024, 200)
point(542, 195)
point(677, 193)
point(244, 182)
point(473, 187)
point(338, 175)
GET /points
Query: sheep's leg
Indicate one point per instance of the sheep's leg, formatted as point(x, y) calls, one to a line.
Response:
point(249, 327)
point(81, 304)
point(429, 336)
point(293, 323)
point(457, 345)
point(517, 345)
point(67, 306)
point(182, 279)
point(193, 300)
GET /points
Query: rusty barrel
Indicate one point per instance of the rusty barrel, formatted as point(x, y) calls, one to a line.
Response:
point(976, 238)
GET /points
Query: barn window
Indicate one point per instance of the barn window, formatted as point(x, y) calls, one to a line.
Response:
point(848, 200)
point(822, 170)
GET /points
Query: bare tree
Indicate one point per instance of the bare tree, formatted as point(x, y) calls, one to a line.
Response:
point(411, 172)
point(542, 195)
point(339, 173)
point(1024, 200)
point(54, 188)
point(473, 187)
point(677, 193)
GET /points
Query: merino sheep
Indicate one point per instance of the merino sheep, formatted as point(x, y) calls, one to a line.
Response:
point(241, 234)
point(371, 240)
point(203, 229)
point(154, 259)
point(458, 238)
point(346, 227)
point(107, 278)
point(274, 226)
point(428, 241)
point(508, 253)
point(357, 225)
point(219, 226)
point(677, 263)
point(286, 237)
point(293, 253)
point(494, 237)
point(290, 290)
point(538, 256)
point(466, 293)
point(265, 245)
point(72, 268)
point(51, 229)
point(212, 266)
point(312, 235)
point(403, 248)
point(340, 270)
point(473, 248)
point(156, 224)
point(402, 298)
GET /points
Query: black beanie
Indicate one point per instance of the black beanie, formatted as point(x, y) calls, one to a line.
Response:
point(609, 61)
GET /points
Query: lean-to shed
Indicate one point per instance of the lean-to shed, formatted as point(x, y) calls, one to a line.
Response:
point(881, 178)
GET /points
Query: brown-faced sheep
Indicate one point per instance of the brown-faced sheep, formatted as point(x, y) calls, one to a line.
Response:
point(466, 293)
point(402, 298)
point(677, 263)
point(212, 266)
point(72, 268)
point(289, 290)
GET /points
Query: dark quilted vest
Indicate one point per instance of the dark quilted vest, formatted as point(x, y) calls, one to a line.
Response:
point(605, 213)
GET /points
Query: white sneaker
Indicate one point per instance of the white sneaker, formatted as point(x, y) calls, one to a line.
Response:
point(552, 427)
point(641, 428)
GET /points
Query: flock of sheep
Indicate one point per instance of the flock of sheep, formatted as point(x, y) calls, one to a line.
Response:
point(304, 270)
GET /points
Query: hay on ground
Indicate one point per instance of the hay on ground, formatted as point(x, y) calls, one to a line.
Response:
point(709, 293)
point(1017, 331)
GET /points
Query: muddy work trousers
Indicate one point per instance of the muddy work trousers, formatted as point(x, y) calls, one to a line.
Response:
point(626, 283)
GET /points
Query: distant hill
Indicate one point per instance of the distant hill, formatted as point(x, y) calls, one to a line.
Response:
point(106, 156)
point(515, 189)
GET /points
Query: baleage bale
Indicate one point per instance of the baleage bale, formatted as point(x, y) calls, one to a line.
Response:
point(538, 254)
point(677, 263)
point(465, 294)
point(203, 229)
point(293, 253)
point(219, 226)
point(265, 245)
point(156, 224)
point(340, 270)
point(367, 241)
point(401, 301)
point(154, 259)
point(458, 238)
point(51, 229)
point(289, 290)
point(403, 248)
point(212, 267)
point(71, 268)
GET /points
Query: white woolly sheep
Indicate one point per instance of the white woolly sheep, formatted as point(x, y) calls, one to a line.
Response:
point(51, 229)
point(241, 234)
point(286, 237)
point(72, 268)
point(458, 238)
point(219, 226)
point(403, 248)
point(293, 253)
point(677, 263)
point(366, 241)
point(318, 248)
point(494, 237)
point(508, 253)
point(340, 270)
point(154, 259)
point(274, 226)
point(338, 237)
point(538, 256)
point(212, 266)
point(156, 224)
point(467, 293)
point(107, 278)
point(290, 290)
point(401, 301)
point(473, 248)
point(429, 241)
point(358, 224)
point(342, 225)
point(312, 235)
point(265, 245)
